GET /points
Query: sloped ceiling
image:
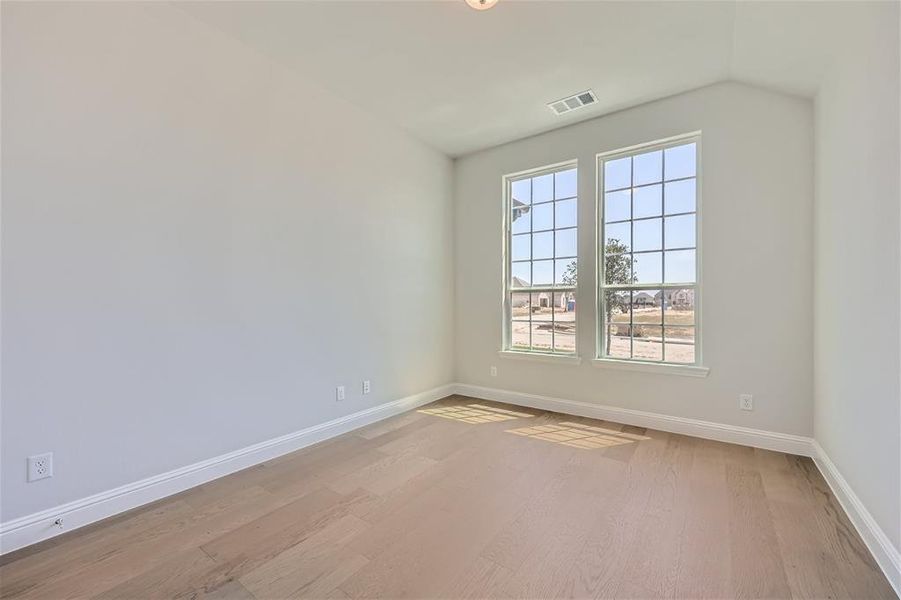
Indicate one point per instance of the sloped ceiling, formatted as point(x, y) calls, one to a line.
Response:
point(463, 80)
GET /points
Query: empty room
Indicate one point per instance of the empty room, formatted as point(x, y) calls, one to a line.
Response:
point(450, 299)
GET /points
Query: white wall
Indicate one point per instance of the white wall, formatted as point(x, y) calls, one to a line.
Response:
point(197, 247)
point(857, 357)
point(757, 193)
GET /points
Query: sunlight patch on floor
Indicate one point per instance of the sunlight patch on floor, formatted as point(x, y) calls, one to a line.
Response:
point(578, 435)
point(474, 413)
point(503, 411)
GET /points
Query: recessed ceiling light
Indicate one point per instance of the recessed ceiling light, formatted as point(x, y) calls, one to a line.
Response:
point(481, 4)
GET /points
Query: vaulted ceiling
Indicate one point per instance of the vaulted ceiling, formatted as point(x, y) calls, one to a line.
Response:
point(462, 80)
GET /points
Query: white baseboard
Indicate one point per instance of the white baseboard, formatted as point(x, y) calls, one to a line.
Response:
point(39, 526)
point(882, 549)
point(757, 438)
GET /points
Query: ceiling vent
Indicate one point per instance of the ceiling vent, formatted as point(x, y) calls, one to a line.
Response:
point(574, 102)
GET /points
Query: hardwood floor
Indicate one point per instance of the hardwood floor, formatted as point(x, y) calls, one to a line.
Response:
point(470, 499)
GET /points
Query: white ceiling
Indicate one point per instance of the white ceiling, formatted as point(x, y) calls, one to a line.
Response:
point(463, 80)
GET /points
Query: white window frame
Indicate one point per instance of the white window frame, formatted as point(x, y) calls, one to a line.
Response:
point(601, 360)
point(507, 349)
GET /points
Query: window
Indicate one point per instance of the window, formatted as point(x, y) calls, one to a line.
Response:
point(541, 236)
point(649, 295)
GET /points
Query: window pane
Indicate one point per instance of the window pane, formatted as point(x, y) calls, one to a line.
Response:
point(565, 184)
point(565, 271)
point(680, 344)
point(680, 161)
point(647, 234)
point(618, 307)
point(617, 206)
point(564, 307)
point(680, 334)
point(648, 268)
point(541, 336)
point(680, 353)
point(618, 237)
point(565, 243)
point(680, 266)
point(543, 188)
point(618, 269)
point(618, 342)
point(521, 218)
point(647, 349)
point(543, 272)
point(519, 306)
point(647, 342)
point(680, 307)
point(564, 322)
point(541, 306)
point(617, 174)
point(521, 191)
point(542, 217)
point(543, 245)
point(522, 274)
point(646, 307)
point(565, 338)
point(647, 168)
point(679, 231)
point(521, 247)
point(566, 213)
point(648, 201)
point(519, 335)
point(679, 196)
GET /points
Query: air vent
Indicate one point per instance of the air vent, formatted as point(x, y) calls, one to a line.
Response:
point(574, 102)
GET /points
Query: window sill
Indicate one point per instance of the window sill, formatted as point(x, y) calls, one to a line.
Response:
point(644, 367)
point(560, 359)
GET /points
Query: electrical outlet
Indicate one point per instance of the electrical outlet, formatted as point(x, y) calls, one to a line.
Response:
point(366, 387)
point(493, 371)
point(40, 466)
point(746, 402)
point(339, 393)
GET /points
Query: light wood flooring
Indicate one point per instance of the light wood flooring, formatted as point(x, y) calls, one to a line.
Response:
point(471, 499)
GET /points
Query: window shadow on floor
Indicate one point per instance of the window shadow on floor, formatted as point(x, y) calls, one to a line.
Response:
point(475, 413)
point(579, 435)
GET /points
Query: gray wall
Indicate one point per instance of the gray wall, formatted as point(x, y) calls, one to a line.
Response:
point(757, 195)
point(857, 357)
point(197, 247)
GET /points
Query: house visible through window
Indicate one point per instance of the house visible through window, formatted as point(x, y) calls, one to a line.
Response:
point(540, 300)
point(649, 295)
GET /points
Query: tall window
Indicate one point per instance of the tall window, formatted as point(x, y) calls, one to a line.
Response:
point(649, 296)
point(541, 226)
